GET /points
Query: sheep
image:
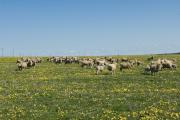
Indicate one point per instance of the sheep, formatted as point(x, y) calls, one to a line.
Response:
point(87, 63)
point(31, 63)
point(22, 65)
point(125, 65)
point(133, 62)
point(158, 61)
point(18, 61)
point(68, 60)
point(28, 62)
point(174, 60)
point(139, 63)
point(111, 67)
point(168, 64)
point(153, 68)
point(99, 68)
point(174, 66)
point(99, 62)
point(58, 60)
point(51, 59)
point(111, 60)
point(35, 60)
point(75, 59)
point(124, 60)
point(39, 60)
point(147, 69)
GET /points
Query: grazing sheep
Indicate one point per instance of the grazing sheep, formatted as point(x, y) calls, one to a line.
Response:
point(111, 67)
point(99, 68)
point(168, 64)
point(87, 63)
point(27, 62)
point(147, 69)
point(125, 65)
point(31, 63)
point(153, 68)
point(22, 65)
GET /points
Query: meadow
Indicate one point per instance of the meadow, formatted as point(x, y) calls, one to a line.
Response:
point(56, 92)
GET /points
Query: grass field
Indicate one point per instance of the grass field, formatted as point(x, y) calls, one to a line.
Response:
point(51, 92)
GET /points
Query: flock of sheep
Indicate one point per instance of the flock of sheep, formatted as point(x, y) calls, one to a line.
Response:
point(111, 64)
point(101, 64)
point(159, 65)
point(24, 63)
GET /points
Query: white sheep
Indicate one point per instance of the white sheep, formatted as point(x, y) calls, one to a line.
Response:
point(111, 67)
point(22, 65)
point(125, 65)
point(99, 68)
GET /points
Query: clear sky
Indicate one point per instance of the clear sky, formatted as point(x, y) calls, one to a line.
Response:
point(89, 27)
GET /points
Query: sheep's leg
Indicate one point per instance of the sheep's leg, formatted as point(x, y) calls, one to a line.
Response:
point(91, 66)
point(19, 68)
point(97, 72)
point(151, 73)
point(82, 65)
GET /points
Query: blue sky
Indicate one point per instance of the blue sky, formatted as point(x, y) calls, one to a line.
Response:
point(89, 27)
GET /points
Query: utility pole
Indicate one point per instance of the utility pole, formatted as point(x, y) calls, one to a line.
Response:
point(13, 52)
point(2, 52)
